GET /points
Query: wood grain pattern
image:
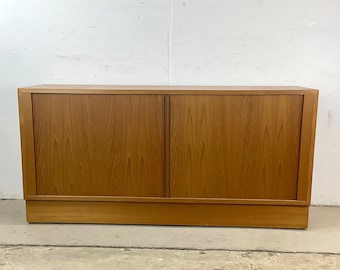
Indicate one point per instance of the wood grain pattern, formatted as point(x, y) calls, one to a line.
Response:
point(166, 200)
point(27, 143)
point(167, 90)
point(235, 146)
point(174, 155)
point(169, 214)
point(307, 147)
point(167, 145)
point(99, 144)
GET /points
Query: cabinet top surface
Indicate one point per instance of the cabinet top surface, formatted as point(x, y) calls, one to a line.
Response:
point(163, 89)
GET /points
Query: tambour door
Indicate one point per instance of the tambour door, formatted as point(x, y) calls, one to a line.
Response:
point(235, 146)
point(99, 145)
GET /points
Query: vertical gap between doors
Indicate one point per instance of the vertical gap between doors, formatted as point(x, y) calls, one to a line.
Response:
point(167, 144)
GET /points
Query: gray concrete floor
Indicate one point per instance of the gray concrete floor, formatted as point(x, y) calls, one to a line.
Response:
point(69, 246)
point(42, 258)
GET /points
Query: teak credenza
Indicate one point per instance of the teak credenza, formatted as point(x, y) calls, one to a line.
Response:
point(219, 156)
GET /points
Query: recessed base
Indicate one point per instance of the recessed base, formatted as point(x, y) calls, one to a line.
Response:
point(270, 216)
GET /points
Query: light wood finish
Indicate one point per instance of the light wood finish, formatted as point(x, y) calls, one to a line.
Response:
point(167, 145)
point(169, 90)
point(167, 214)
point(235, 146)
point(99, 144)
point(165, 87)
point(307, 147)
point(166, 200)
point(27, 143)
point(228, 155)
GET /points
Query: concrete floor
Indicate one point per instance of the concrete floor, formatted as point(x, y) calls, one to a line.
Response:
point(30, 246)
point(42, 258)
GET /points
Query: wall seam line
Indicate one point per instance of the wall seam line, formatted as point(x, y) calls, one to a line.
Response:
point(170, 42)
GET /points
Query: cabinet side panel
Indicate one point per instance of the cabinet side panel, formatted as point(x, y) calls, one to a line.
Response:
point(235, 146)
point(99, 144)
point(27, 143)
point(307, 147)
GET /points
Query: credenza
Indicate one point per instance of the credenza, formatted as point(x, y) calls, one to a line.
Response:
point(168, 155)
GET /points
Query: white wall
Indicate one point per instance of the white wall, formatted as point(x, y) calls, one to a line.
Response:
point(217, 42)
